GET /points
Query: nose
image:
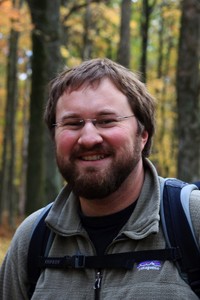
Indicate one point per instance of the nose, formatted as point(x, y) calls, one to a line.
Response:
point(89, 136)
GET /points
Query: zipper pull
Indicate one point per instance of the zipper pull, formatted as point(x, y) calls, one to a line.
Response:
point(98, 279)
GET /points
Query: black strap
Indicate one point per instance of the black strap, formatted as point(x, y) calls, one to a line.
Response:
point(39, 240)
point(118, 260)
point(37, 246)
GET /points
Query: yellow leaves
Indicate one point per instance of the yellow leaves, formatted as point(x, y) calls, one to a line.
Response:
point(2, 119)
point(14, 14)
point(5, 243)
point(6, 5)
point(64, 52)
point(9, 12)
point(171, 13)
point(156, 85)
point(71, 60)
point(63, 11)
point(13, 17)
point(172, 19)
point(109, 14)
point(165, 143)
point(102, 29)
point(133, 25)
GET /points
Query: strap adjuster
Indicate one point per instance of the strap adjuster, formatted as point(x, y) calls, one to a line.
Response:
point(79, 261)
point(75, 261)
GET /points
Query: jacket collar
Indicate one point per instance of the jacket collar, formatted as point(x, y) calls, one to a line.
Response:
point(63, 218)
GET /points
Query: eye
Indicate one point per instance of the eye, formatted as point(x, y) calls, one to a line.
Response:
point(106, 122)
point(73, 123)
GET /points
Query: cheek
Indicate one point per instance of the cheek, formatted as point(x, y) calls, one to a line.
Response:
point(121, 139)
point(127, 141)
point(64, 143)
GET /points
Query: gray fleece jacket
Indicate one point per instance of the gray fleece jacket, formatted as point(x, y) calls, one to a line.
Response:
point(148, 280)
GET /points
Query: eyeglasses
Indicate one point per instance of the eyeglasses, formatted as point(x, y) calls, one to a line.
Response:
point(101, 122)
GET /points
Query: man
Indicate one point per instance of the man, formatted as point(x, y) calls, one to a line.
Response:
point(101, 119)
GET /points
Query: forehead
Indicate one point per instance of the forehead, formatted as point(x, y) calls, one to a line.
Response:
point(94, 99)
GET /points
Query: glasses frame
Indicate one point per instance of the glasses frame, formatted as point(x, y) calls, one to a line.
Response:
point(95, 121)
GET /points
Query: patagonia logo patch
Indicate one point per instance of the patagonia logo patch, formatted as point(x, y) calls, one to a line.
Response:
point(149, 265)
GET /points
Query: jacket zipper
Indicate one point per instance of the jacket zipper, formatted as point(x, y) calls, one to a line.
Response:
point(97, 285)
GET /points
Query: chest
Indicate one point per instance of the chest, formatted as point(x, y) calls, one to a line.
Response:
point(148, 279)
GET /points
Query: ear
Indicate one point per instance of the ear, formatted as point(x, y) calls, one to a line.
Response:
point(144, 138)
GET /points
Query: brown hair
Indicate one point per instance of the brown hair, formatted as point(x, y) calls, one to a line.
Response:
point(92, 71)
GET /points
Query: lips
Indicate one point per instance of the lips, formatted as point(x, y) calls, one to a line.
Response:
point(92, 157)
point(96, 153)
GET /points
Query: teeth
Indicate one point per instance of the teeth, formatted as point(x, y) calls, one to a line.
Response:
point(93, 157)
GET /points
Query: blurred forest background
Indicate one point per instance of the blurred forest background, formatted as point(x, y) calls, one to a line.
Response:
point(160, 39)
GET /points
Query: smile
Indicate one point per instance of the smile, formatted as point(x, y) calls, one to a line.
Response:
point(93, 157)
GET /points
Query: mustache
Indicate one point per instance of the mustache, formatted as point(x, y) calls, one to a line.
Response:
point(80, 150)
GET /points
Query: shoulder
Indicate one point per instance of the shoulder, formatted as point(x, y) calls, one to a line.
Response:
point(13, 271)
point(25, 228)
point(20, 242)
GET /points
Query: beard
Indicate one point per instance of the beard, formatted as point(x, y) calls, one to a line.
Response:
point(95, 183)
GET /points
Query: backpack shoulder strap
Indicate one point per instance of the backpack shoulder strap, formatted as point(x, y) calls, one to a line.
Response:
point(40, 242)
point(178, 229)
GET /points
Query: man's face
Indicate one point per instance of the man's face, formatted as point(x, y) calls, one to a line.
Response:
point(96, 160)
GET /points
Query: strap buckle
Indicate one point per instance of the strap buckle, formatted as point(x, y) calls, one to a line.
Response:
point(75, 261)
point(79, 261)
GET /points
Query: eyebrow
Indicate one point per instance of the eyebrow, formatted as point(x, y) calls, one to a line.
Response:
point(98, 114)
point(106, 112)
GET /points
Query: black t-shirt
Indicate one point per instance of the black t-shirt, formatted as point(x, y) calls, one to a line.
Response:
point(102, 230)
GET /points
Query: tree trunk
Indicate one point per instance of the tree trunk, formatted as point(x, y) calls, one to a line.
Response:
point(87, 45)
point(124, 45)
point(8, 191)
point(145, 20)
point(160, 45)
point(188, 100)
point(24, 146)
point(163, 129)
point(42, 174)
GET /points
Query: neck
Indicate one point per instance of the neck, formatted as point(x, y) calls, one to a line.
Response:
point(126, 194)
